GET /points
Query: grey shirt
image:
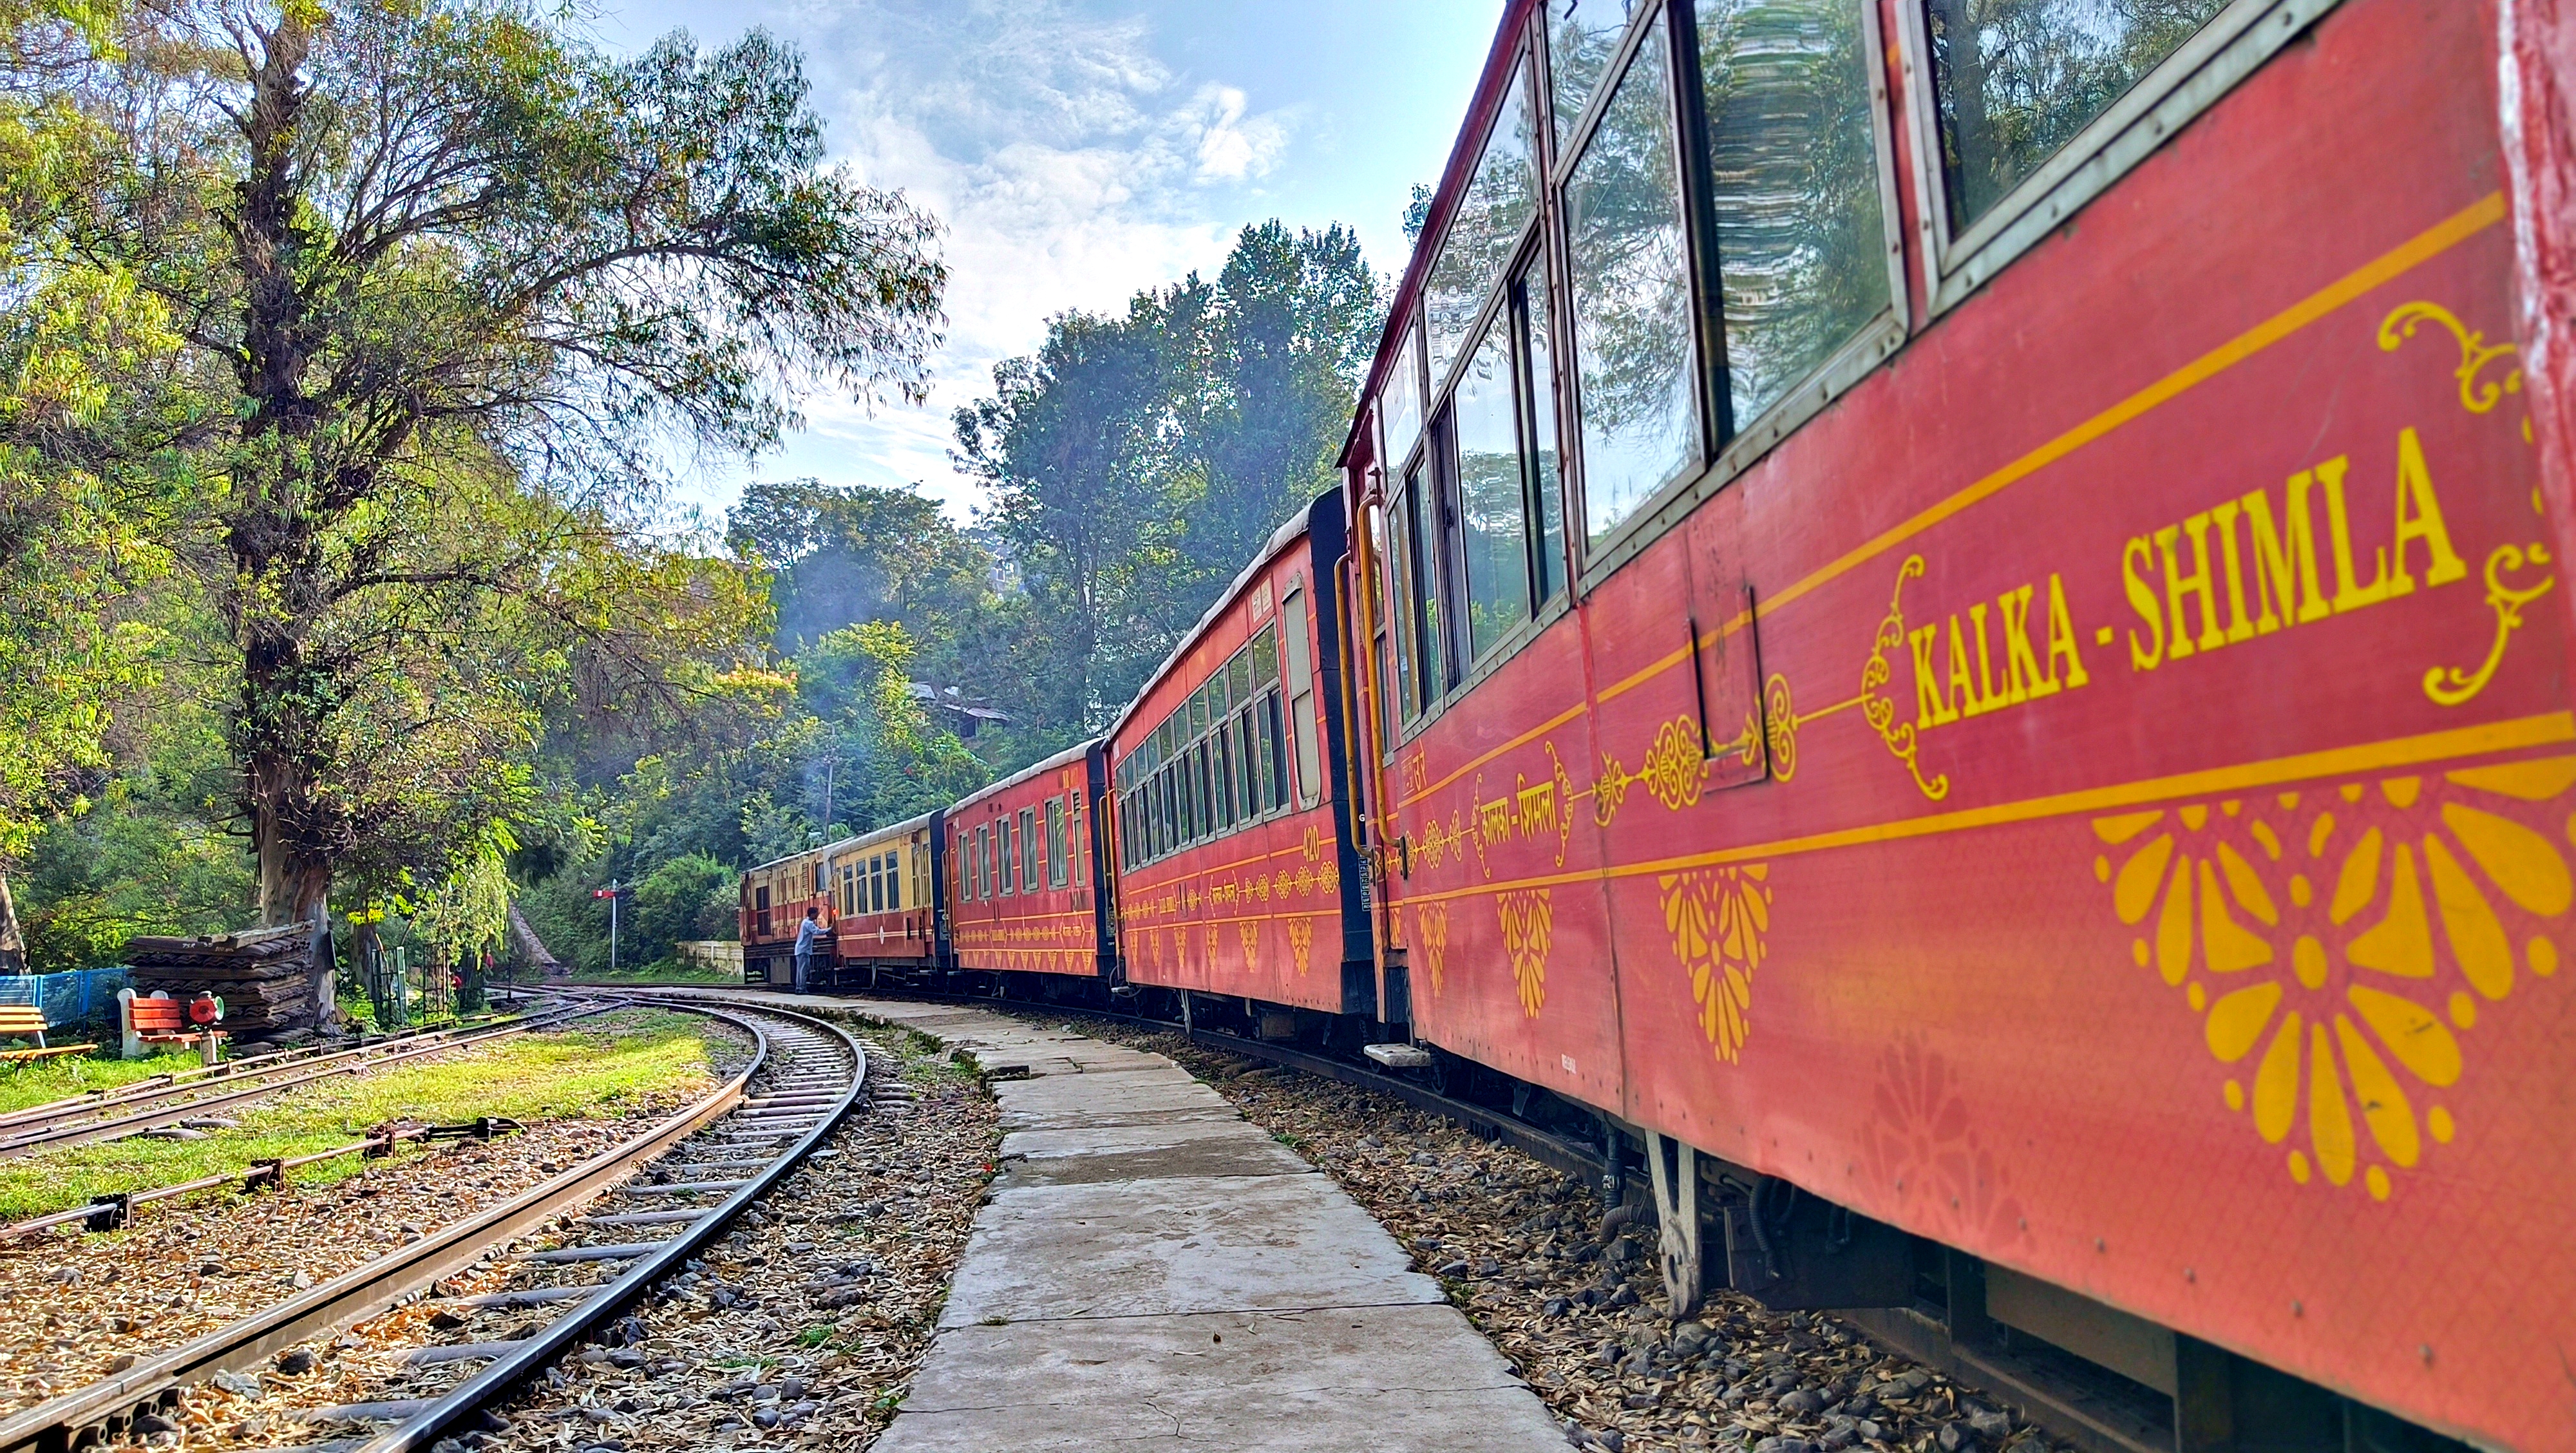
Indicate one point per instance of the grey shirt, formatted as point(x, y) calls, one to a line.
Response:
point(805, 935)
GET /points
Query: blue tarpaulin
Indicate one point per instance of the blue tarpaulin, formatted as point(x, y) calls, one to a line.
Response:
point(79, 996)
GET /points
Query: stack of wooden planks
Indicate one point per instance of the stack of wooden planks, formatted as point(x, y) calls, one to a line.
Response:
point(263, 975)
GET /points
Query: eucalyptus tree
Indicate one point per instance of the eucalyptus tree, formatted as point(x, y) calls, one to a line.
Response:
point(463, 287)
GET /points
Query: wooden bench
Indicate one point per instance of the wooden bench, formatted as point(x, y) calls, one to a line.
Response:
point(26, 1021)
point(160, 1021)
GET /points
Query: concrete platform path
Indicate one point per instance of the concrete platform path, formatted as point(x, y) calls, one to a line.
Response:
point(1152, 1271)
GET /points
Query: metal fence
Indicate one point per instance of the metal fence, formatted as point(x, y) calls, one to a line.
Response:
point(79, 996)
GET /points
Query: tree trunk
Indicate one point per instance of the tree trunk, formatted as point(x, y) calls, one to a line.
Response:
point(272, 531)
point(13, 944)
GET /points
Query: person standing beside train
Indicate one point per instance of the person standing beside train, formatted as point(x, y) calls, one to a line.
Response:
point(805, 934)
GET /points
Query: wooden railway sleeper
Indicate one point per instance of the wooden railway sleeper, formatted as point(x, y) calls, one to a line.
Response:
point(484, 1128)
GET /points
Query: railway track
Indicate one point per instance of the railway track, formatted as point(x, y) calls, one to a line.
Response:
point(167, 1100)
point(804, 1077)
point(1547, 1147)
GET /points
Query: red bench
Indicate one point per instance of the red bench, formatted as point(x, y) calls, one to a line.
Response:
point(161, 1021)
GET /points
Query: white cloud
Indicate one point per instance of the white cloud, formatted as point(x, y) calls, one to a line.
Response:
point(1068, 172)
point(1230, 147)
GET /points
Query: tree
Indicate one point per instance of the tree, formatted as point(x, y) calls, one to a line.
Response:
point(1137, 462)
point(894, 761)
point(1076, 446)
point(90, 360)
point(455, 277)
point(849, 554)
point(1291, 328)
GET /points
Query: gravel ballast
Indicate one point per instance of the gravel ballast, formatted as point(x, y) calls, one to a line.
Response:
point(802, 1326)
point(75, 1308)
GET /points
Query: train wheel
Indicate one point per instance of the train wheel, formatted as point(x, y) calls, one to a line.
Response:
point(1674, 1168)
point(1447, 1075)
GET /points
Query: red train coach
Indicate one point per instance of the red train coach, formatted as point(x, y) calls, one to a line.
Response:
point(774, 897)
point(1964, 628)
point(1025, 883)
point(1236, 874)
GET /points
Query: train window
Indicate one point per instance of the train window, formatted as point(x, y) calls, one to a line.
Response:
point(1058, 849)
point(1203, 769)
point(1265, 660)
point(1636, 383)
point(894, 883)
point(1193, 800)
point(1238, 676)
point(1400, 397)
point(1024, 849)
point(1218, 700)
point(997, 883)
point(1274, 752)
point(1247, 767)
point(1582, 40)
point(1794, 177)
point(974, 862)
point(1547, 482)
point(1405, 690)
point(760, 908)
point(1221, 765)
point(1493, 503)
point(1501, 198)
point(2014, 84)
point(1422, 569)
point(1301, 695)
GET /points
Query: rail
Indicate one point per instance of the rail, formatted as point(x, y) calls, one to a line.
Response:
point(529, 1357)
point(76, 1121)
point(106, 1406)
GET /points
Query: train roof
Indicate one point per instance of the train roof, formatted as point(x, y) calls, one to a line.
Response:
point(1302, 522)
point(1074, 753)
point(856, 840)
point(878, 835)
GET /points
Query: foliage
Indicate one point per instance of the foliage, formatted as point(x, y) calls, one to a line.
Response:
point(469, 913)
point(1137, 462)
point(348, 353)
point(149, 856)
point(687, 897)
point(89, 360)
point(451, 277)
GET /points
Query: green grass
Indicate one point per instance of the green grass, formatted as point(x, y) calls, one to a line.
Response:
point(38, 1081)
point(602, 1068)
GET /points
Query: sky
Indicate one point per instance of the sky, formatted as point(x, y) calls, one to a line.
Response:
point(1079, 150)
